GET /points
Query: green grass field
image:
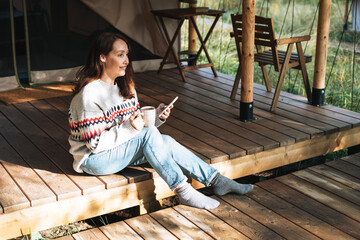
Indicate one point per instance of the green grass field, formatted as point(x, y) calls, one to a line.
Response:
point(291, 18)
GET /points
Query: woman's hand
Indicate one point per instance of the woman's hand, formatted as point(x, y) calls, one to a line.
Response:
point(165, 114)
point(137, 121)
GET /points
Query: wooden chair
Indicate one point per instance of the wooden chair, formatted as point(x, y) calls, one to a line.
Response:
point(281, 60)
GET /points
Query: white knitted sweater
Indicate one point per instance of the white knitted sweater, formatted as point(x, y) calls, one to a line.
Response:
point(99, 120)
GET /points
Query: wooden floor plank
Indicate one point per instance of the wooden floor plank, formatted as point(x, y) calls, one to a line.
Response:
point(330, 185)
point(223, 82)
point(119, 230)
point(346, 167)
point(350, 209)
point(242, 222)
point(337, 175)
point(58, 155)
point(330, 109)
point(205, 122)
point(209, 223)
point(60, 104)
point(60, 184)
point(303, 219)
point(30, 183)
point(272, 220)
point(61, 137)
point(205, 89)
point(231, 150)
point(353, 159)
point(178, 225)
point(148, 228)
point(92, 234)
point(187, 104)
point(11, 197)
point(265, 97)
point(207, 96)
point(312, 206)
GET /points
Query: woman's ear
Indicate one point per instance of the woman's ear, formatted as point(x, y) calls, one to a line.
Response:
point(102, 58)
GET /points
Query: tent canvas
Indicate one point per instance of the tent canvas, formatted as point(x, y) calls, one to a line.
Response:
point(57, 34)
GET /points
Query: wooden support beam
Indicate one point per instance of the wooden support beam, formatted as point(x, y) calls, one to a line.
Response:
point(247, 60)
point(192, 36)
point(322, 40)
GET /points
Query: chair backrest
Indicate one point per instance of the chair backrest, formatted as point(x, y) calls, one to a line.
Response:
point(264, 35)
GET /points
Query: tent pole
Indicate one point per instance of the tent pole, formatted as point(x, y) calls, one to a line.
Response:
point(247, 61)
point(322, 39)
point(13, 43)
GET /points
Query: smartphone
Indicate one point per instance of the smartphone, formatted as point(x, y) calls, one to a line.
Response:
point(167, 107)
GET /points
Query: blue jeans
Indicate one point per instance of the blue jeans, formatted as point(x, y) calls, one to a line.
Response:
point(169, 159)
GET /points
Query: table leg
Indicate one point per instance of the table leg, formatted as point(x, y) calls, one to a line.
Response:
point(203, 42)
point(170, 47)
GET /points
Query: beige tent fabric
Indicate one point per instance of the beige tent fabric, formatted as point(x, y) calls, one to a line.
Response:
point(8, 83)
point(134, 18)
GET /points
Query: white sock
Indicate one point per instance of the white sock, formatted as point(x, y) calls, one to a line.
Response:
point(190, 197)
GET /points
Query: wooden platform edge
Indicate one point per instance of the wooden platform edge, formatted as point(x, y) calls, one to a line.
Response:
point(139, 194)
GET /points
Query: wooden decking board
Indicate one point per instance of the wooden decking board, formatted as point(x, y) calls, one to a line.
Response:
point(148, 228)
point(208, 123)
point(346, 167)
point(11, 197)
point(231, 150)
point(242, 222)
point(296, 100)
point(338, 203)
point(266, 97)
point(318, 227)
point(178, 225)
point(50, 173)
point(51, 129)
point(209, 223)
point(260, 126)
point(353, 159)
point(53, 114)
point(92, 234)
point(314, 207)
point(330, 185)
point(272, 220)
point(59, 156)
point(325, 116)
point(29, 182)
point(120, 230)
point(264, 106)
point(207, 112)
point(338, 176)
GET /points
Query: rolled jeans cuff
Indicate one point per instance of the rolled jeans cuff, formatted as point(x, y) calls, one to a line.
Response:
point(209, 180)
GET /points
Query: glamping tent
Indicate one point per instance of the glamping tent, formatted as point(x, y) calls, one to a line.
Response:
point(46, 41)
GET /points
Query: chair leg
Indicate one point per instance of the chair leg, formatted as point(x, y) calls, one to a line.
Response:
point(281, 78)
point(266, 77)
point(236, 83)
point(304, 71)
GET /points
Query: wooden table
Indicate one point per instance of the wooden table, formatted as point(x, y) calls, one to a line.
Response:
point(181, 14)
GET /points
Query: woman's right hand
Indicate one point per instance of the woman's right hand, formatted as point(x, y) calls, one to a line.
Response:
point(137, 121)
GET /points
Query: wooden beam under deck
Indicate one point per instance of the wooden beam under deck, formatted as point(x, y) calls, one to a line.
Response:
point(34, 142)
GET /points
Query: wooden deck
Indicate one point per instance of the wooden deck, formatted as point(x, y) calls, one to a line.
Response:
point(321, 202)
point(39, 189)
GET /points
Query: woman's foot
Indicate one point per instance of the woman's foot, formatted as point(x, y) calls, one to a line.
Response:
point(223, 185)
point(190, 197)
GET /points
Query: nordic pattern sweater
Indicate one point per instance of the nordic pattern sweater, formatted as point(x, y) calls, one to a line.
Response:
point(99, 119)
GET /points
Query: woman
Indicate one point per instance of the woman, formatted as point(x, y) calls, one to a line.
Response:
point(108, 133)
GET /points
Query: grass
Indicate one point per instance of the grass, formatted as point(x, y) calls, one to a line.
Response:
point(291, 19)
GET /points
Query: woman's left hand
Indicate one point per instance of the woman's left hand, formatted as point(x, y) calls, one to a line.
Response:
point(165, 114)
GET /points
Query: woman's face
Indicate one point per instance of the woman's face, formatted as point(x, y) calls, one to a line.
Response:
point(115, 63)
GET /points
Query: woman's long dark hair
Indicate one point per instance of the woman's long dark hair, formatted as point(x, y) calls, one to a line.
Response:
point(93, 67)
